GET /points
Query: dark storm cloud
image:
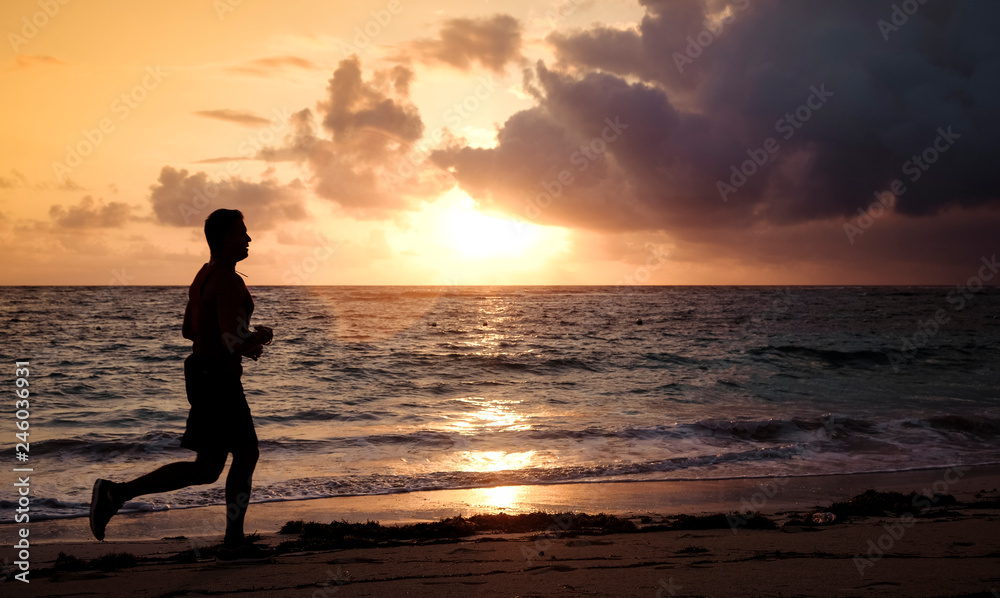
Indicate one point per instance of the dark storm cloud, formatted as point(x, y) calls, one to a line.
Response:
point(491, 42)
point(614, 50)
point(182, 199)
point(91, 214)
point(594, 154)
point(848, 103)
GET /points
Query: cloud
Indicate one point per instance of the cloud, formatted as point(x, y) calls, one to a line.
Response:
point(462, 43)
point(222, 160)
point(361, 138)
point(91, 214)
point(17, 180)
point(180, 199)
point(69, 184)
point(355, 106)
point(272, 65)
point(946, 249)
point(239, 117)
point(618, 51)
point(26, 61)
point(604, 138)
point(848, 110)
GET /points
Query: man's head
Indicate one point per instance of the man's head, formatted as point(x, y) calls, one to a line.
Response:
point(227, 235)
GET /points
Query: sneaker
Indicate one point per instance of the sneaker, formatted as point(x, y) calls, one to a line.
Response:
point(103, 506)
point(248, 553)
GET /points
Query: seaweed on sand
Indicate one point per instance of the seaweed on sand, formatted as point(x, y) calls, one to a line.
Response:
point(341, 534)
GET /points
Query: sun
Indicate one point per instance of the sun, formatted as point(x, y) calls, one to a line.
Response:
point(476, 236)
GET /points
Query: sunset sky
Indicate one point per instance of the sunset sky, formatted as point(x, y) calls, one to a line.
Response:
point(473, 142)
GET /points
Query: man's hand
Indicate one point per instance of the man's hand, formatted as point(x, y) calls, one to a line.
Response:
point(266, 331)
point(267, 335)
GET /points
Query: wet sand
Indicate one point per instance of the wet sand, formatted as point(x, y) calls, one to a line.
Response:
point(941, 551)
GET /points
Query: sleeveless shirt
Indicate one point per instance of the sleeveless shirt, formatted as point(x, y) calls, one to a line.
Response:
point(206, 333)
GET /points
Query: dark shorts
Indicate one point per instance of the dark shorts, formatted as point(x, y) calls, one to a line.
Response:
point(219, 420)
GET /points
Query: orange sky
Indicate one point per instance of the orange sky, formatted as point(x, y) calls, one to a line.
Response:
point(104, 99)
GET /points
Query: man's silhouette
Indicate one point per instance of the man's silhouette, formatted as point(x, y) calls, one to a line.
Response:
point(217, 320)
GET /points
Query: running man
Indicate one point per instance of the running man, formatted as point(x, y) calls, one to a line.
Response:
point(217, 320)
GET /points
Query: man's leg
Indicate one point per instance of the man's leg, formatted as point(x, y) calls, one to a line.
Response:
point(238, 484)
point(108, 497)
point(174, 476)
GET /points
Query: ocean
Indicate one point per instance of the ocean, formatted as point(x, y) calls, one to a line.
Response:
point(376, 390)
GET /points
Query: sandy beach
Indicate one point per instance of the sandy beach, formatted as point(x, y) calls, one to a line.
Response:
point(927, 550)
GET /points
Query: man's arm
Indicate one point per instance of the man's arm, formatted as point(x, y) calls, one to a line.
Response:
point(229, 292)
point(187, 331)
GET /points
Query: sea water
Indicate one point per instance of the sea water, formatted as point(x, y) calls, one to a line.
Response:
point(374, 390)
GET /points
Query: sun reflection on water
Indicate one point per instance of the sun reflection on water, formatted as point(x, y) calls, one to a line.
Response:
point(496, 460)
point(509, 499)
point(493, 414)
point(496, 336)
